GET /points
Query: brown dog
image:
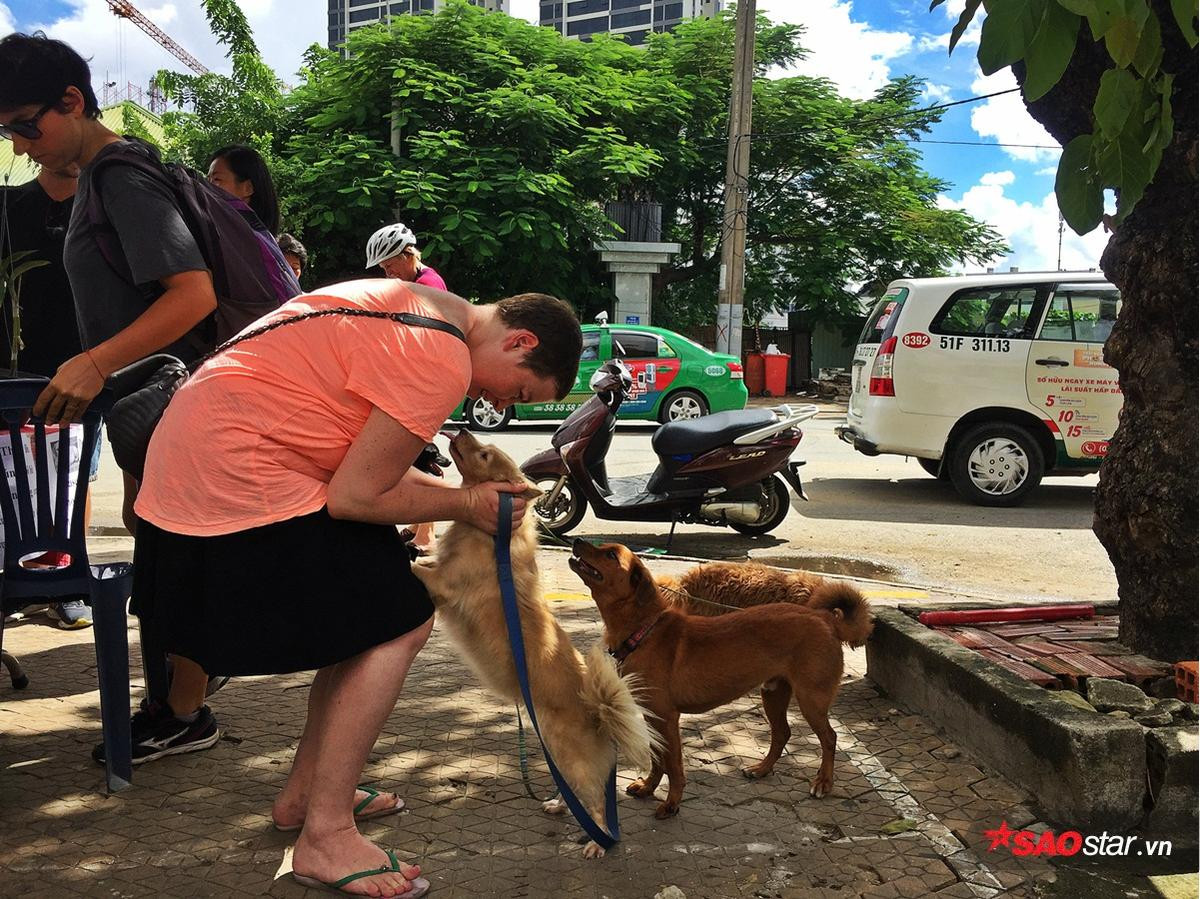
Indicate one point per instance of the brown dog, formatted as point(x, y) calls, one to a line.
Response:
point(690, 664)
point(744, 584)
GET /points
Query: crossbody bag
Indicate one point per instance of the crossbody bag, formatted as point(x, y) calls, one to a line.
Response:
point(145, 388)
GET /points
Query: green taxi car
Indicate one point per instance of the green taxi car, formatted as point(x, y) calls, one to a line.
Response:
point(673, 378)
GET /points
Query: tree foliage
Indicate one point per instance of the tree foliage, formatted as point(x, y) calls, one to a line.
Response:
point(511, 140)
point(1132, 120)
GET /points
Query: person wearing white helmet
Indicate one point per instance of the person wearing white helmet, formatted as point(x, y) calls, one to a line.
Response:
point(394, 248)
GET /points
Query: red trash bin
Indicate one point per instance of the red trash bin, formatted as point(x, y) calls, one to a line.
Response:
point(754, 375)
point(775, 374)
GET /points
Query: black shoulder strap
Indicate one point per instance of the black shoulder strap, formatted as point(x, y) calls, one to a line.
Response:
point(404, 318)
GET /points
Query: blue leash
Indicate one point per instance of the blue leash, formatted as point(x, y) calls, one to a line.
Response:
point(512, 617)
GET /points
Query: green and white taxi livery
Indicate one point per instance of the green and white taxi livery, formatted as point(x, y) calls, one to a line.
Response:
point(673, 378)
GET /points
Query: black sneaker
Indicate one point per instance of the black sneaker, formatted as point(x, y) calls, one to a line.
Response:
point(157, 732)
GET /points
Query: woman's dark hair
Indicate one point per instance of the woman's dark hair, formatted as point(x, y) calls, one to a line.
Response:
point(289, 244)
point(35, 69)
point(247, 165)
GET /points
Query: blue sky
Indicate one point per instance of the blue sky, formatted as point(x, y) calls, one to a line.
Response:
point(858, 44)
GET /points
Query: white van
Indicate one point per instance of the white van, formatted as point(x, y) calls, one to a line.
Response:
point(989, 381)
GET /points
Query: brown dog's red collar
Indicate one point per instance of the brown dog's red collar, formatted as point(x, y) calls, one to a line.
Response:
point(635, 639)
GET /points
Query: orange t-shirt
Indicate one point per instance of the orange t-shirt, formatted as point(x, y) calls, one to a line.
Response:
point(255, 435)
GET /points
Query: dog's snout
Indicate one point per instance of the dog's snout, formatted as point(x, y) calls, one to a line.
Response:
point(578, 546)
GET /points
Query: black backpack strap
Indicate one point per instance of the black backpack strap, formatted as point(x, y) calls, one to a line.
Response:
point(404, 318)
point(424, 321)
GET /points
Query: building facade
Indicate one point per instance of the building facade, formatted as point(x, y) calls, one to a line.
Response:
point(346, 15)
point(582, 19)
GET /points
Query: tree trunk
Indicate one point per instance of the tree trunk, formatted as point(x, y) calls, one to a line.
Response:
point(1146, 502)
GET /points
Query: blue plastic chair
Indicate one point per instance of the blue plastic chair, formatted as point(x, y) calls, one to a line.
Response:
point(34, 526)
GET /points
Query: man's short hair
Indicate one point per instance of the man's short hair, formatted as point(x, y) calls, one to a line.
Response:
point(289, 244)
point(560, 340)
point(36, 70)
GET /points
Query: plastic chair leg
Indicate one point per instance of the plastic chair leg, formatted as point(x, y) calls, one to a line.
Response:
point(112, 663)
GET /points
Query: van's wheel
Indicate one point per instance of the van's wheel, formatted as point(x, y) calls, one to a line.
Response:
point(996, 464)
point(682, 404)
point(934, 468)
point(564, 514)
point(482, 415)
point(776, 504)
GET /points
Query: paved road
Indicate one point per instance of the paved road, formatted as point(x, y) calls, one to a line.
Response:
point(881, 518)
point(885, 518)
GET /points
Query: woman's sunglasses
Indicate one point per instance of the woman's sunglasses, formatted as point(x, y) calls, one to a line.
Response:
point(26, 128)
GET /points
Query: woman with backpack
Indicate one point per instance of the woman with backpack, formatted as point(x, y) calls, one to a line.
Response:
point(142, 281)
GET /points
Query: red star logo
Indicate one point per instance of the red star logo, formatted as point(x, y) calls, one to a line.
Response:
point(1000, 836)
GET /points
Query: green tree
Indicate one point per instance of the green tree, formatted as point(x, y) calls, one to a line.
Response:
point(1114, 81)
point(838, 200)
point(509, 139)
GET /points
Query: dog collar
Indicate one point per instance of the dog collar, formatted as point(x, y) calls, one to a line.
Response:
point(635, 639)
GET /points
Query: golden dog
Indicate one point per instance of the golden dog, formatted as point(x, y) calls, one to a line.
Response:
point(691, 664)
point(744, 584)
point(586, 710)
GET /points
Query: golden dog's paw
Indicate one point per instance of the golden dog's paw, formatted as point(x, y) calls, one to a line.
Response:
point(554, 806)
point(821, 787)
point(754, 772)
point(593, 850)
point(639, 789)
point(667, 809)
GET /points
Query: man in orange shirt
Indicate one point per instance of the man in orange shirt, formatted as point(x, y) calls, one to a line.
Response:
point(275, 480)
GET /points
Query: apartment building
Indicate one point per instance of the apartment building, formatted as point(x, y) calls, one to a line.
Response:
point(582, 19)
point(346, 15)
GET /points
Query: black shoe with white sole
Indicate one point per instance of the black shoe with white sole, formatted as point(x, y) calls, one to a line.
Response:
point(157, 732)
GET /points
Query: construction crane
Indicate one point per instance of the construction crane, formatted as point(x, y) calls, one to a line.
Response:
point(127, 10)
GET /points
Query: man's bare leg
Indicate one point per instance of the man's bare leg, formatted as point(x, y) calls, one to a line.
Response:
point(352, 702)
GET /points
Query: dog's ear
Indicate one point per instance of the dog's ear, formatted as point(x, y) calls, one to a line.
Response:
point(641, 582)
point(530, 492)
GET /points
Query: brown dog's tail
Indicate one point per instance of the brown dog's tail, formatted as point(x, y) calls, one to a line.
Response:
point(614, 699)
point(850, 610)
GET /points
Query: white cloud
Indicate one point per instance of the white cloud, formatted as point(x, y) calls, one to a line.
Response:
point(934, 93)
point(997, 179)
point(1029, 228)
point(121, 52)
point(1008, 121)
point(7, 22)
point(850, 53)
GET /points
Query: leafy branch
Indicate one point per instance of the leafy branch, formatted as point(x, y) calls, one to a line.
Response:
point(1132, 121)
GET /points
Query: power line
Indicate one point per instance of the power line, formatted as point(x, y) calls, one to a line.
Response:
point(908, 113)
point(978, 143)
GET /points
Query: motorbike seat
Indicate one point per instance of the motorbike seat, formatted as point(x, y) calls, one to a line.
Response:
point(697, 435)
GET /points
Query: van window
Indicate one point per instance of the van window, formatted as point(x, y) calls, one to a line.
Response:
point(987, 312)
point(882, 320)
point(1083, 313)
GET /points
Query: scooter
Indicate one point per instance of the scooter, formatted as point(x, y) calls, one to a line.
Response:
point(727, 469)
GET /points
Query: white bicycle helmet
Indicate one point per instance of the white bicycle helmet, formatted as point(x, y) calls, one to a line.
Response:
point(389, 241)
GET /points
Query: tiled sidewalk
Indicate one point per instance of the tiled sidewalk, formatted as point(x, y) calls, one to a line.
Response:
point(905, 819)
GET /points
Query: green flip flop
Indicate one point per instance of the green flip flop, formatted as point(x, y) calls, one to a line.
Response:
point(417, 887)
point(359, 814)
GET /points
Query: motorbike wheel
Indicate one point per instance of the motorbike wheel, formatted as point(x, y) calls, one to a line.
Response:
point(779, 502)
point(568, 509)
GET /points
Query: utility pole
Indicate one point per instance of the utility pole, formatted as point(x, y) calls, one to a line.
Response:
point(737, 176)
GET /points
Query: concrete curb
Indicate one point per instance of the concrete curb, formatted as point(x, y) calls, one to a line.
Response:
point(1085, 772)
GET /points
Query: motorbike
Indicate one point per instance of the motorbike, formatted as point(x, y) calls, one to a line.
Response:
point(729, 469)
